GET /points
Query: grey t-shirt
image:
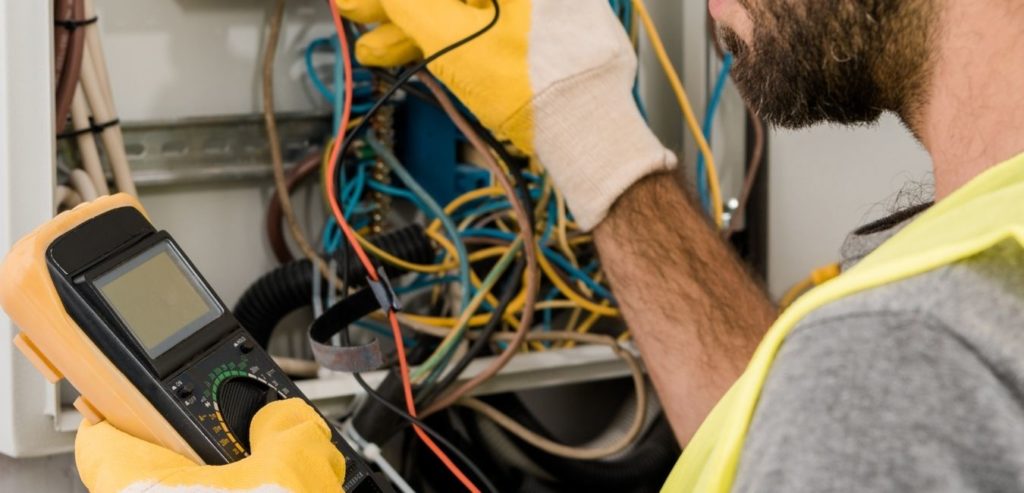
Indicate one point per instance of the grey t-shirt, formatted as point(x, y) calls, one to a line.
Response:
point(914, 386)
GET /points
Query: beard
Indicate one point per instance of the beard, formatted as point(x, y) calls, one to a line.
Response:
point(836, 61)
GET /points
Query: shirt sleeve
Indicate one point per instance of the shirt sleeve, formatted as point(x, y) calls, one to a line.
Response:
point(883, 402)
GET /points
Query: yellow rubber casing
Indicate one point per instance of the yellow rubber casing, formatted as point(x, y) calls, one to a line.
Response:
point(58, 347)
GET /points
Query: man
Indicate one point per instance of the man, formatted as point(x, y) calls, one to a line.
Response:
point(907, 372)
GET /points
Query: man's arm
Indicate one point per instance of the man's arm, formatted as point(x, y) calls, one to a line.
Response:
point(694, 310)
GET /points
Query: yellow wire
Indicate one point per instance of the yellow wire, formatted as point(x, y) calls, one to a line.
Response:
point(448, 247)
point(568, 291)
point(463, 200)
point(818, 277)
point(556, 305)
point(684, 105)
point(563, 237)
point(586, 325)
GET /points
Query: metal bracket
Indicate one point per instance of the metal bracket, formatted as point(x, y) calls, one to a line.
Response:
point(216, 149)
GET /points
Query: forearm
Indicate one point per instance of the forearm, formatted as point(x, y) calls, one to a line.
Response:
point(695, 311)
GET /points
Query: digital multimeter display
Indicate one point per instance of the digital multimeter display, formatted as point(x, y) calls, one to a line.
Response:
point(158, 298)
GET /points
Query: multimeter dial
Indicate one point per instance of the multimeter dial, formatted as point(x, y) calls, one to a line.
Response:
point(226, 389)
point(237, 400)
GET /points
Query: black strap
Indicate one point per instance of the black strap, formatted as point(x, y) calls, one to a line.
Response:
point(72, 24)
point(93, 128)
point(350, 359)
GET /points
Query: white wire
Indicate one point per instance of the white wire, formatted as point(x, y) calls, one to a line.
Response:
point(372, 452)
point(318, 300)
point(82, 183)
point(95, 48)
point(66, 198)
point(103, 111)
point(86, 142)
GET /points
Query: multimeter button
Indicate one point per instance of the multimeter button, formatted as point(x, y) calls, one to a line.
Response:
point(246, 347)
point(185, 391)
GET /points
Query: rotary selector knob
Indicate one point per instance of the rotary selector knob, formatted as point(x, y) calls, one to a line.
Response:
point(239, 399)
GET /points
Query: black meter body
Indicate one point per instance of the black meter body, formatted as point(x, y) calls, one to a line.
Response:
point(143, 305)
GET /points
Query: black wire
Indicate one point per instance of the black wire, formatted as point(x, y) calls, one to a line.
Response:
point(403, 79)
point(481, 342)
point(480, 476)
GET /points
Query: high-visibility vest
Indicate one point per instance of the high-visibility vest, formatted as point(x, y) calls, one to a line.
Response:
point(987, 211)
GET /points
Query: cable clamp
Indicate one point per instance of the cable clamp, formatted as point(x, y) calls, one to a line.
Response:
point(384, 293)
point(72, 24)
point(93, 128)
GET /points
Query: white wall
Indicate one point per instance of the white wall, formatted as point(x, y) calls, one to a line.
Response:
point(186, 58)
point(826, 181)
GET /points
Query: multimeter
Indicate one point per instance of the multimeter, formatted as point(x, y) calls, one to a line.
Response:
point(113, 305)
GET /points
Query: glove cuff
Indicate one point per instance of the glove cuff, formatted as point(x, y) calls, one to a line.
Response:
point(591, 137)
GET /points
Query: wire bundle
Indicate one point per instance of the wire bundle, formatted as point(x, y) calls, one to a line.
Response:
point(511, 264)
point(84, 91)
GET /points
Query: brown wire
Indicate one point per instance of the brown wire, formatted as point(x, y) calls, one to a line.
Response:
point(280, 182)
point(61, 10)
point(71, 68)
point(753, 169)
point(530, 251)
point(275, 216)
point(756, 156)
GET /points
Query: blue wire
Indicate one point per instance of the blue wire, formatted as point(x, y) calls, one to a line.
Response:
point(553, 293)
point(398, 193)
point(431, 207)
point(336, 97)
point(549, 226)
point(382, 331)
point(709, 119)
point(488, 233)
point(332, 236)
point(356, 193)
point(339, 89)
point(350, 196)
point(578, 274)
point(311, 70)
point(554, 256)
point(425, 283)
point(547, 311)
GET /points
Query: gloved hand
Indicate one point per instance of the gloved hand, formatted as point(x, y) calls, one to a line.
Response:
point(291, 452)
point(553, 76)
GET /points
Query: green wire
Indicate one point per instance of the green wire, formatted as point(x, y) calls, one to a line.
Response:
point(459, 331)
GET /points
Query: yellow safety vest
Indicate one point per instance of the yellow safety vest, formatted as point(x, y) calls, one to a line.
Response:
point(983, 213)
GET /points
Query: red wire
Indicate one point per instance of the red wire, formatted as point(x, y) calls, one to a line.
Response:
point(338, 141)
point(410, 403)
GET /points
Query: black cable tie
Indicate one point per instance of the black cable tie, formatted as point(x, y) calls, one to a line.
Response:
point(384, 293)
point(72, 24)
point(93, 128)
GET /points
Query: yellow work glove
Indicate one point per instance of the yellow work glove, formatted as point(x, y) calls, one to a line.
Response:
point(291, 452)
point(553, 76)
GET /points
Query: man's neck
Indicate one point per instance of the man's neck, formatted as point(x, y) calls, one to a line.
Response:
point(974, 115)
